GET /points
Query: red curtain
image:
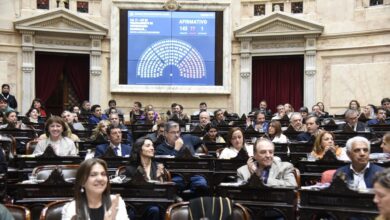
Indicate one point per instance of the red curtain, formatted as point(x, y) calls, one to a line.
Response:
point(48, 71)
point(49, 68)
point(278, 80)
point(77, 69)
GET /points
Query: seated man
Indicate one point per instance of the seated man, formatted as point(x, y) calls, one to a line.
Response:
point(385, 102)
point(296, 122)
point(270, 169)
point(178, 115)
point(259, 123)
point(312, 130)
point(97, 115)
point(380, 118)
point(316, 110)
point(115, 122)
point(4, 108)
point(263, 108)
point(202, 108)
point(112, 104)
point(175, 145)
point(69, 118)
point(219, 118)
point(204, 119)
point(115, 138)
point(280, 114)
point(351, 121)
point(157, 137)
point(360, 173)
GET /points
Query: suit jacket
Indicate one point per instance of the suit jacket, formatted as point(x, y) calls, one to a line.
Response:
point(280, 174)
point(95, 120)
point(360, 126)
point(102, 148)
point(368, 175)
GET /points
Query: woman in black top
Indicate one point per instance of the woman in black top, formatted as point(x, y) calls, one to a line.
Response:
point(141, 163)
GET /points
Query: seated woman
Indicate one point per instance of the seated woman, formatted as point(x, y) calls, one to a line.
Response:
point(324, 142)
point(212, 134)
point(382, 194)
point(10, 121)
point(56, 133)
point(235, 142)
point(142, 163)
point(92, 198)
point(37, 103)
point(32, 116)
point(275, 133)
point(99, 134)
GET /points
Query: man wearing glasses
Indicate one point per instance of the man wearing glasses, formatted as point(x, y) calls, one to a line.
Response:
point(175, 145)
point(352, 121)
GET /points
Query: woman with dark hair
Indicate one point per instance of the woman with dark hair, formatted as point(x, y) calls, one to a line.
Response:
point(56, 132)
point(324, 142)
point(92, 199)
point(141, 159)
point(382, 194)
point(235, 142)
point(32, 116)
point(212, 134)
point(37, 103)
point(275, 132)
point(141, 163)
point(10, 121)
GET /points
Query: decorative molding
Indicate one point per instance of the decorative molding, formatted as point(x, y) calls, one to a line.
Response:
point(276, 45)
point(95, 72)
point(27, 69)
point(310, 73)
point(66, 42)
point(277, 26)
point(245, 74)
point(171, 5)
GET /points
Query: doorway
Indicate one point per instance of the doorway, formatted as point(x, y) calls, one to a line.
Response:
point(61, 80)
point(278, 80)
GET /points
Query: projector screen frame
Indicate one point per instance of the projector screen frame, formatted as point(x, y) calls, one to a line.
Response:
point(116, 86)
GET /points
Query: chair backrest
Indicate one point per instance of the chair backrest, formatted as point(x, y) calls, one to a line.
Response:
point(179, 211)
point(30, 146)
point(19, 212)
point(327, 176)
point(52, 211)
point(297, 175)
point(44, 171)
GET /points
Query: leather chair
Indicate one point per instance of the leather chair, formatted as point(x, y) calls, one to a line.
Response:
point(44, 171)
point(327, 176)
point(30, 146)
point(19, 212)
point(180, 211)
point(52, 211)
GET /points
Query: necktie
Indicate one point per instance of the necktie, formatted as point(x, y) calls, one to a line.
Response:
point(116, 149)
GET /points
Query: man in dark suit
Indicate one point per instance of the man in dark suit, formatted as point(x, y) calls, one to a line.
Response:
point(352, 122)
point(115, 136)
point(10, 98)
point(360, 173)
point(380, 118)
point(312, 130)
point(97, 115)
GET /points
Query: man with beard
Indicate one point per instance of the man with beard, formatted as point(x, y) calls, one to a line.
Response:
point(10, 98)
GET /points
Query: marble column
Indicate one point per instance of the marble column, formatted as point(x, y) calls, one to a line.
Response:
point(245, 77)
point(28, 79)
point(95, 69)
point(309, 98)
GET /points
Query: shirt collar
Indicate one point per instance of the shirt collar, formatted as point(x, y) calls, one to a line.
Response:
point(361, 172)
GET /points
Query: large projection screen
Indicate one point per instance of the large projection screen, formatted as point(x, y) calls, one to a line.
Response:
point(170, 48)
point(185, 51)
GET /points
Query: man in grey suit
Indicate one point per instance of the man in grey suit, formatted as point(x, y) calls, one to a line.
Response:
point(270, 169)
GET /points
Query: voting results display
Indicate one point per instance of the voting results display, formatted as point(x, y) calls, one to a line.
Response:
point(171, 48)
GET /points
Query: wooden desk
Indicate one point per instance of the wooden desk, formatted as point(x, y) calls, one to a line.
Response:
point(262, 200)
point(337, 201)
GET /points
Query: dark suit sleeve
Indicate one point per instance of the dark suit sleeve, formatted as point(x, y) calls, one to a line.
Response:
point(99, 151)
